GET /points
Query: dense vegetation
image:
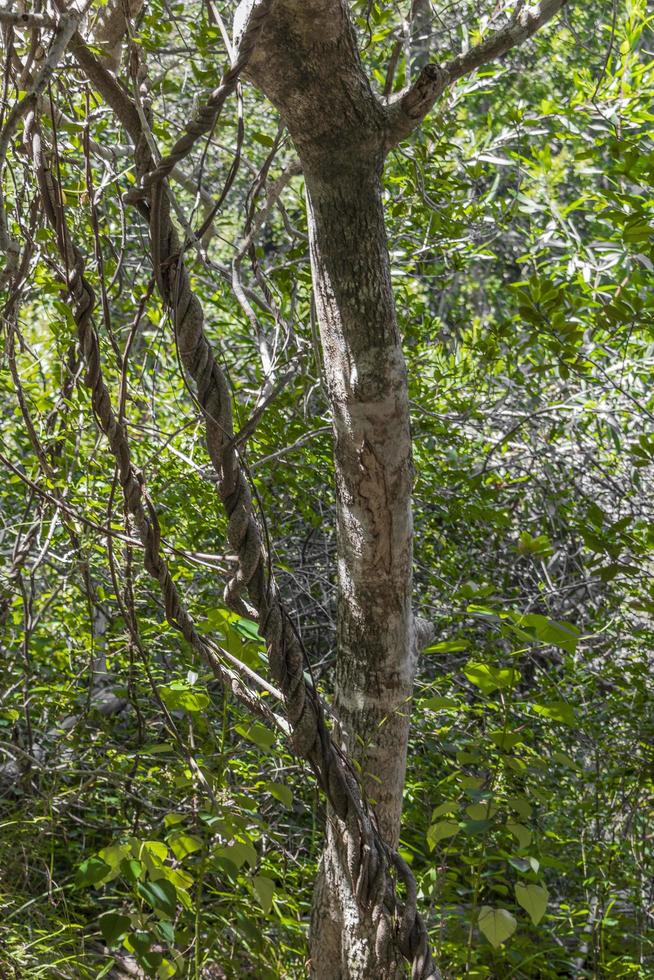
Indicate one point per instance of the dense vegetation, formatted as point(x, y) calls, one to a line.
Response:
point(145, 817)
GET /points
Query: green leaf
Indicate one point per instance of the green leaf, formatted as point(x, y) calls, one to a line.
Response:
point(113, 927)
point(152, 853)
point(151, 960)
point(521, 806)
point(166, 931)
point(440, 704)
point(166, 969)
point(264, 889)
point(497, 925)
point(506, 740)
point(113, 855)
point(138, 942)
point(161, 895)
point(180, 879)
point(557, 711)
point(476, 826)
point(92, 871)
point(172, 819)
point(559, 634)
point(447, 646)
point(179, 697)
point(157, 748)
point(539, 546)
point(533, 899)
point(521, 834)
point(450, 806)
point(481, 811)
point(248, 629)
point(281, 792)
point(238, 853)
point(489, 679)
point(131, 869)
point(262, 138)
point(184, 844)
point(440, 831)
point(156, 848)
point(258, 734)
point(564, 759)
point(471, 784)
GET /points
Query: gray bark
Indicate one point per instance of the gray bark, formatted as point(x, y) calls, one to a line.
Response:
point(307, 63)
point(109, 28)
point(367, 387)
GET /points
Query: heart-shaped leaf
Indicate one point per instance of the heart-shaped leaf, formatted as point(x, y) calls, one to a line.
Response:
point(441, 830)
point(92, 871)
point(533, 899)
point(497, 925)
point(113, 927)
point(184, 844)
point(521, 834)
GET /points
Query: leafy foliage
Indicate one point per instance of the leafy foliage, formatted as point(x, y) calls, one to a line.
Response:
point(145, 817)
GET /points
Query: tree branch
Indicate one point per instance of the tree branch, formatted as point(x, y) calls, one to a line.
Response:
point(410, 107)
point(16, 19)
point(66, 27)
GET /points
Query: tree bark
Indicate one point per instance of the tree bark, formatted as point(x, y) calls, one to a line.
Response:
point(307, 63)
point(367, 388)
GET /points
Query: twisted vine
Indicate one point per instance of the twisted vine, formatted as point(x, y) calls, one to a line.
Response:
point(131, 480)
point(373, 866)
point(207, 116)
point(369, 858)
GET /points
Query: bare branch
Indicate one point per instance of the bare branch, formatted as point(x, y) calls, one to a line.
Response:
point(15, 19)
point(411, 106)
point(65, 29)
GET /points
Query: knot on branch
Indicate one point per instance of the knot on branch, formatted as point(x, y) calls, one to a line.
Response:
point(429, 85)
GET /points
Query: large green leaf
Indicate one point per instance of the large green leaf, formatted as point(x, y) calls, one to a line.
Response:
point(557, 711)
point(497, 925)
point(113, 927)
point(488, 678)
point(179, 696)
point(521, 833)
point(533, 899)
point(264, 889)
point(258, 734)
point(160, 894)
point(92, 871)
point(184, 844)
point(441, 831)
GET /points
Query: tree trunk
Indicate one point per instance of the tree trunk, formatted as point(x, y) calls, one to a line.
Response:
point(307, 63)
point(367, 388)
